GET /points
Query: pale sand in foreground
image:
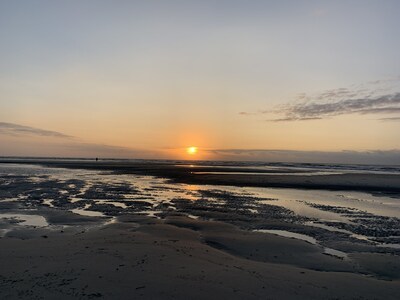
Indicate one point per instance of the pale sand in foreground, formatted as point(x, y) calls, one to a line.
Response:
point(180, 258)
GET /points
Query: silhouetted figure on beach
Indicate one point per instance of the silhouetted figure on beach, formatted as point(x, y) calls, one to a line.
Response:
point(97, 158)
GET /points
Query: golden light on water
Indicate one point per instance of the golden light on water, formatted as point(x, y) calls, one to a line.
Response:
point(191, 150)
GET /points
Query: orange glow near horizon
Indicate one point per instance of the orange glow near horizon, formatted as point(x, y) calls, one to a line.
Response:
point(192, 150)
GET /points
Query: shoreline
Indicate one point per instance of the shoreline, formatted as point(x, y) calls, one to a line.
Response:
point(222, 243)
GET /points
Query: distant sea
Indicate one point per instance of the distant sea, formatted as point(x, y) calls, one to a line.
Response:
point(282, 166)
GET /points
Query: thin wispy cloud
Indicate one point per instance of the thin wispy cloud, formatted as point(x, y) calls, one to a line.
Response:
point(390, 119)
point(16, 129)
point(388, 104)
point(375, 97)
point(243, 113)
point(58, 143)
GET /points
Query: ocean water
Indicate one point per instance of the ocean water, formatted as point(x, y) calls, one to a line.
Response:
point(282, 167)
point(105, 194)
point(296, 168)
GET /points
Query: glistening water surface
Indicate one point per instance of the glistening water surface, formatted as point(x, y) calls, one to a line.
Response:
point(96, 194)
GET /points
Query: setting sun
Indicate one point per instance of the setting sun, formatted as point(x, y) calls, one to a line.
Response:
point(191, 150)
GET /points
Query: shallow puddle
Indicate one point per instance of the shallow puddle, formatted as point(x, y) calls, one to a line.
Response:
point(303, 237)
point(289, 234)
point(26, 220)
point(88, 213)
point(118, 190)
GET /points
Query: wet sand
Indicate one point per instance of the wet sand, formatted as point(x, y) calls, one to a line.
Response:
point(180, 258)
point(124, 254)
point(365, 182)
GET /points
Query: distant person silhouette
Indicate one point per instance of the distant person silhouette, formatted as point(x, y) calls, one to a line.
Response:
point(97, 158)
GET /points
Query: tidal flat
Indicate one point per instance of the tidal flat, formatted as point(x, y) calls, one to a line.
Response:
point(115, 229)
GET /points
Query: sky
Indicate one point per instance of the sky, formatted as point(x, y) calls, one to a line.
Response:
point(240, 80)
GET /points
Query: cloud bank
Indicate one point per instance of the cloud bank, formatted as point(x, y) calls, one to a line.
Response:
point(381, 97)
point(16, 129)
point(21, 140)
point(386, 104)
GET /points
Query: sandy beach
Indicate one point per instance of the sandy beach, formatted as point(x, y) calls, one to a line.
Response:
point(109, 231)
point(179, 259)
